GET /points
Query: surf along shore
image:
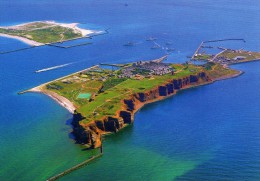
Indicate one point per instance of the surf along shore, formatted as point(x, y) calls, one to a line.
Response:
point(29, 32)
point(115, 99)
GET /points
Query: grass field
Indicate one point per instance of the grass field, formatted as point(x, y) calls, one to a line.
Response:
point(231, 54)
point(42, 32)
point(109, 90)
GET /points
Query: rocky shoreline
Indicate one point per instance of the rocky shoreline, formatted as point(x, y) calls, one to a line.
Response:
point(90, 134)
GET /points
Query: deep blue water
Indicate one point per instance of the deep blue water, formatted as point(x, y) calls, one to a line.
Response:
point(206, 133)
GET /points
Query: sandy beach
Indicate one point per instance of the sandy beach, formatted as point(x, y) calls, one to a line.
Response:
point(25, 40)
point(59, 99)
point(74, 26)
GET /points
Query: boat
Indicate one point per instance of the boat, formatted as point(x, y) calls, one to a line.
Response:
point(52, 68)
point(151, 39)
point(129, 44)
point(168, 43)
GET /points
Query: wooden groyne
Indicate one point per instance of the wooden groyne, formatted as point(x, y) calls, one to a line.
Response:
point(227, 39)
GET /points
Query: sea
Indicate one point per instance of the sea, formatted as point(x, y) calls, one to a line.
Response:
point(207, 133)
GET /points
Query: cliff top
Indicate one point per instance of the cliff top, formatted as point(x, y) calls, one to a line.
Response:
point(98, 93)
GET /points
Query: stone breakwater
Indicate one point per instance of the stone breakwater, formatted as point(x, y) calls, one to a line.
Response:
point(90, 133)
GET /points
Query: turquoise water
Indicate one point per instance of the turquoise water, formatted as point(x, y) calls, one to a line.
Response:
point(206, 133)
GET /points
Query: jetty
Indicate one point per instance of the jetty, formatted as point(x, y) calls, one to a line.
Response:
point(74, 168)
point(159, 60)
point(31, 89)
point(80, 165)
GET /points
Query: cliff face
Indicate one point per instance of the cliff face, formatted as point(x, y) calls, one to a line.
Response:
point(90, 134)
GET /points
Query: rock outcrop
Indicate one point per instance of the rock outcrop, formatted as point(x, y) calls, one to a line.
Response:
point(90, 133)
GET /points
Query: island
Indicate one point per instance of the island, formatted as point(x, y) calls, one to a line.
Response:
point(43, 32)
point(105, 100)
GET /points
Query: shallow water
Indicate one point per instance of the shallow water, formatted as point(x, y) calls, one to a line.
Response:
point(205, 133)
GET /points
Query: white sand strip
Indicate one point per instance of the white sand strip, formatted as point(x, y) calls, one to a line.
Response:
point(25, 40)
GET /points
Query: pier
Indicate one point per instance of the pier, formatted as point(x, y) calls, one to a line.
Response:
point(159, 60)
point(31, 89)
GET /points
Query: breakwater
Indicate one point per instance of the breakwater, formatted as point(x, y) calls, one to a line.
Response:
point(80, 165)
point(16, 50)
point(80, 44)
point(227, 39)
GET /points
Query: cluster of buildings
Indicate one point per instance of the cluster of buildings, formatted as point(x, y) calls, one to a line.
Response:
point(236, 54)
point(146, 69)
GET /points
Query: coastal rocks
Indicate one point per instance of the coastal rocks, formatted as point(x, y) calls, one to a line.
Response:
point(149, 95)
point(90, 133)
point(194, 78)
point(177, 84)
point(129, 104)
point(170, 88)
point(127, 117)
point(163, 91)
point(113, 124)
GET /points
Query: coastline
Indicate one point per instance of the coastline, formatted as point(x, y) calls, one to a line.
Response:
point(76, 29)
point(22, 39)
point(64, 102)
point(89, 130)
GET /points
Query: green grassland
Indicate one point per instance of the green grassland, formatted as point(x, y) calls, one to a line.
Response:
point(42, 32)
point(107, 90)
point(231, 54)
point(203, 56)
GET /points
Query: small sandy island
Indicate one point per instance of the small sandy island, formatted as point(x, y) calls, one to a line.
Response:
point(50, 32)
